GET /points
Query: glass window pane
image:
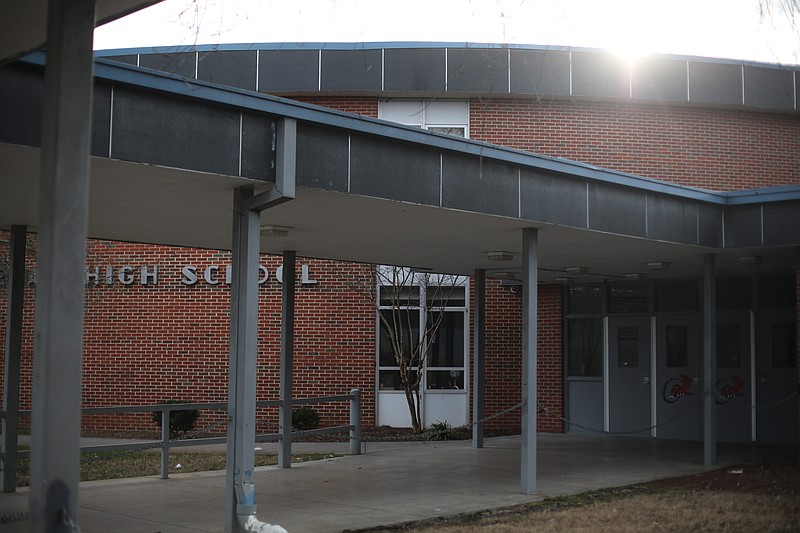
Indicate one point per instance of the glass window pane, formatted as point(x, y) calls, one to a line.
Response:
point(729, 346)
point(784, 345)
point(585, 346)
point(450, 130)
point(677, 296)
point(398, 296)
point(734, 293)
point(677, 347)
point(628, 346)
point(446, 346)
point(445, 379)
point(776, 291)
point(627, 299)
point(585, 300)
point(446, 296)
point(390, 379)
point(403, 326)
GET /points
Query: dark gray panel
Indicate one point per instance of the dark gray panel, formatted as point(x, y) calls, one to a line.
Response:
point(322, 156)
point(394, 170)
point(101, 119)
point(617, 210)
point(671, 219)
point(715, 83)
point(351, 70)
point(553, 198)
point(742, 226)
point(181, 63)
point(174, 132)
point(479, 185)
point(414, 69)
point(768, 87)
point(21, 90)
point(710, 230)
point(130, 59)
point(600, 75)
point(258, 148)
point(659, 79)
point(539, 72)
point(479, 70)
point(288, 70)
point(782, 223)
point(232, 68)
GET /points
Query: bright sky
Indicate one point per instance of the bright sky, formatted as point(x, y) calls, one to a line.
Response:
point(733, 29)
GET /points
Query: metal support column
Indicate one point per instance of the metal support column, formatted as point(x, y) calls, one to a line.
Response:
point(243, 359)
point(530, 295)
point(478, 378)
point(61, 266)
point(287, 356)
point(709, 360)
point(13, 350)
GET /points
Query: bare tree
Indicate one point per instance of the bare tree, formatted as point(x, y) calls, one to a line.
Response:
point(411, 307)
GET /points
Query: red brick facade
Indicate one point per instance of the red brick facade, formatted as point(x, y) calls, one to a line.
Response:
point(151, 342)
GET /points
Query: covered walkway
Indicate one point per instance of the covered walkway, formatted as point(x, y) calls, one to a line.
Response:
point(392, 482)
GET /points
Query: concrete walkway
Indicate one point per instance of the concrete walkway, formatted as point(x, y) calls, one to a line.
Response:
point(391, 482)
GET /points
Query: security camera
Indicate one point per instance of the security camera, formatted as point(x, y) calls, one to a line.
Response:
point(514, 289)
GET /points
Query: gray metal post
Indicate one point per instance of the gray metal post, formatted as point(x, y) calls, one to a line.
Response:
point(287, 360)
point(478, 378)
point(61, 266)
point(530, 276)
point(243, 359)
point(16, 298)
point(355, 421)
point(164, 446)
point(709, 360)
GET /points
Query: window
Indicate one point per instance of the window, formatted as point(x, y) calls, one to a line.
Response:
point(585, 300)
point(410, 303)
point(677, 347)
point(627, 299)
point(443, 116)
point(677, 296)
point(628, 338)
point(585, 341)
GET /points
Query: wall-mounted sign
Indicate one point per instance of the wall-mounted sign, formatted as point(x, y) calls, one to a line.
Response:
point(190, 275)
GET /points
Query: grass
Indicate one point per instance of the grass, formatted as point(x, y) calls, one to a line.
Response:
point(719, 501)
point(123, 464)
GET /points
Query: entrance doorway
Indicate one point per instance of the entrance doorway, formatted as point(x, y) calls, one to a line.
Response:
point(629, 374)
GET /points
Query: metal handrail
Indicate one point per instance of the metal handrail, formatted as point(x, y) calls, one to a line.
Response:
point(165, 443)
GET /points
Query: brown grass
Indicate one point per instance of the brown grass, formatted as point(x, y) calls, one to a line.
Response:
point(746, 498)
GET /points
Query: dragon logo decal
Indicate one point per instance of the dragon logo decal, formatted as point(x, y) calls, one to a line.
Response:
point(728, 388)
point(677, 388)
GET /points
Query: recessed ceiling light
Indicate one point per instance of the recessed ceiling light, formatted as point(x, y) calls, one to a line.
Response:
point(658, 265)
point(635, 275)
point(564, 279)
point(577, 270)
point(751, 259)
point(274, 232)
point(499, 256)
point(503, 275)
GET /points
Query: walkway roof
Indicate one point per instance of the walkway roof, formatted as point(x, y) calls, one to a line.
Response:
point(168, 153)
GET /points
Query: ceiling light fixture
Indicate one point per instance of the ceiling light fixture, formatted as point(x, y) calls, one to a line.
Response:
point(499, 256)
point(274, 232)
point(564, 279)
point(503, 275)
point(751, 259)
point(635, 275)
point(577, 270)
point(658, 265)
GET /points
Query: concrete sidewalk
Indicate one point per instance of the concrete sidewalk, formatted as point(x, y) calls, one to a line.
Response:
point(392, 482)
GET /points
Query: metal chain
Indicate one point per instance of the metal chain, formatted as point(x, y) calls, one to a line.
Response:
point(548, 412)
point(14, 518)
point(762, 406)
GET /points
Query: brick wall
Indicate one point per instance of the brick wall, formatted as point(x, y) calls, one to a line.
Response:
point(707, 148)
point(147, 343)
point(166, 340)
point(503, 349)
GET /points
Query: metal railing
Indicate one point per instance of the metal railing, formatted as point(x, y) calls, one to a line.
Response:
point(166, 443)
